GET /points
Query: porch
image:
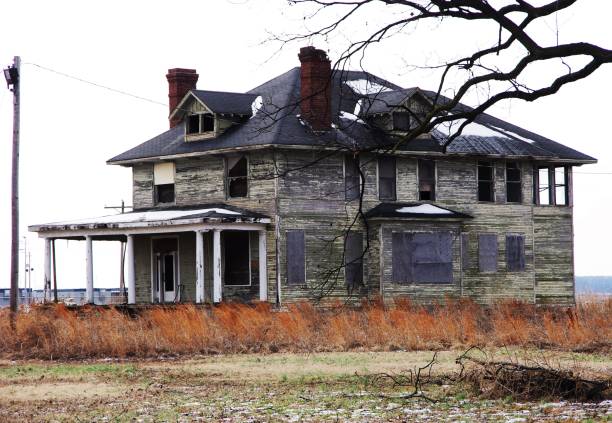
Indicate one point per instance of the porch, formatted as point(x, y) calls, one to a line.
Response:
point(203, 254)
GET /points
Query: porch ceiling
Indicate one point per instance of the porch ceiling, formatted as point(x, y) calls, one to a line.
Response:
point(146, 220)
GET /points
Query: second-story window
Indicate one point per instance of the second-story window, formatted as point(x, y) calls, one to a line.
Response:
point(163, 180)
point(401, 121)
point(551, 185)
point(352, 178)
point(386, 178)
point(237, 176)
point(485, 181)
point(513, 183)
point(200, 123)
point(427, 180)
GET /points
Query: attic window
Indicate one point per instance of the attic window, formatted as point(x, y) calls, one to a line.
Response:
point(237, 176)
point(401, 121)
point(200, 123)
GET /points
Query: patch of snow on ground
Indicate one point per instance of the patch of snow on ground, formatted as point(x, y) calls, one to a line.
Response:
point(366, 87)
point(256, 106)
point(350, 116)
point(473, 128)
point(423, 209)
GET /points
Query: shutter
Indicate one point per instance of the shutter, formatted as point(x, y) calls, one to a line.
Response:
point(401, 257)
point(465, 251)
point(515, 253)
point(487, 252)
point(353, 252)
point(296, 259)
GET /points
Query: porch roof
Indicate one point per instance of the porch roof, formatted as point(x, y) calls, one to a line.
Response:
point(157, 218)
point(413, 211)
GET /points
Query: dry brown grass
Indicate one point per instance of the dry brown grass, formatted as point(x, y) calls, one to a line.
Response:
point(56, 332)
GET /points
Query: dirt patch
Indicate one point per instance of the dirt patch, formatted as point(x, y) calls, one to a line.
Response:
point(59, 391)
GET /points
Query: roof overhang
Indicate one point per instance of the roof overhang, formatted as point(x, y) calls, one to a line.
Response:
point(155, 221)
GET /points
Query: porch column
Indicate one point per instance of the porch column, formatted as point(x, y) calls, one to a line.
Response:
point(131, 270)
point(263, 270)
point(199, 267)
point(217, 266)
point(47, 268)
point(89, 291)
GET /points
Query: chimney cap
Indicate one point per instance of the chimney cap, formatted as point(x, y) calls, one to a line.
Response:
point(177, 71)
point(311, 53)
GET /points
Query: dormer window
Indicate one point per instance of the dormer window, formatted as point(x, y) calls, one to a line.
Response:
point(200, 123)
point(401, 121)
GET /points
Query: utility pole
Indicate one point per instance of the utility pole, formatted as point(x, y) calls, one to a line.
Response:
point(12, 74)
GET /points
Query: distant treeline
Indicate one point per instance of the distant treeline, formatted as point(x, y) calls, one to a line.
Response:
point(594, 284)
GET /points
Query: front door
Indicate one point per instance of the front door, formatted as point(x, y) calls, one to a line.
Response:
point(165, 270)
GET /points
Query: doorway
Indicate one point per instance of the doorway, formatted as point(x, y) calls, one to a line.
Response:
point(165, 270)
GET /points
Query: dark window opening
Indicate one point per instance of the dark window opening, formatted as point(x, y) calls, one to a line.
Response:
point(237, 258)
point(164, 193)
point(208, 122)
point(193, 124)
point(422, 257)
point(515, 253)
point(487, 252)
point(401, 121)
point(427, 180)
point(485, 181)
point(168, 272)
point(353, 259)
point(352, 178)
point(513, 183)
point(296, 257)
point(237, 177)
point(386, 178)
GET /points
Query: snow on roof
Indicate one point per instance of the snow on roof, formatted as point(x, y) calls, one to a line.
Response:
point(366, 87)
point(423, 209)
point(350, 116)
point(148, 216)
point(473, 129)
point(256, 106)
point(514, 134)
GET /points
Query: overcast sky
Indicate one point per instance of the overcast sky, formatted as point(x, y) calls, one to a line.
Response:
point(69, 128)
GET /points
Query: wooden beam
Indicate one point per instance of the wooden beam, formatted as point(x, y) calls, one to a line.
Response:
point(217, 266)
point(199, 266)
point(54, 271)
point(263, 268)
point(131, 270)
point(89, 290)
point(47, 268)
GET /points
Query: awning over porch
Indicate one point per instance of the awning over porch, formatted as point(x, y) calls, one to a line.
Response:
point(154, 218)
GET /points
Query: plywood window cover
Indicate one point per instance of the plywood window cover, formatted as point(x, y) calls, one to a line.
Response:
point(163, 173)
point(296, 257)
point(422, 257)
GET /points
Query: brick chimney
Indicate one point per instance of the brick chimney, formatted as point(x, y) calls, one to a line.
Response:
point(315, 89)
point(180, 81)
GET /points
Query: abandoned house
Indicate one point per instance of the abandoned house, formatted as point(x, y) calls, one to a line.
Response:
point(257, 196)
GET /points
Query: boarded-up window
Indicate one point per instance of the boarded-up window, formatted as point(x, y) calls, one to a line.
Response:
point(487, 252)
point(296, 258)
point(513, 183)
point(163, 179)
point(465, 251)
point(237, 176)
point(353, 258)
point(485, 181)
point(386, 178)
point(422, 257)
point(515, 253)
point(352, 180)
point(427, 180)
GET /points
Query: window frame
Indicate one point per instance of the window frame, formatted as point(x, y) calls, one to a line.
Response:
point(347, 190)
point(156, 201)
point(552, 185)
point(491, 165)
point(200, 130)
point(519, 182)
point(434, 180)
point(227, 178)
point(393, 197)
point(400, 113)
point(521, 254)
point(354, 262)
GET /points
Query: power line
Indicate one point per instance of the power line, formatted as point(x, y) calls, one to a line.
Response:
point(95, 84)
point(593, 173)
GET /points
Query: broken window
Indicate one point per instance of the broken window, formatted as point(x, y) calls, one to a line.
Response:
point(163, 181)
point(487, 252)
point(401, 121)
point(422, 257)
point(296, 257)
point(237, 176)
point(544, 196)
point(386, 178)
point(551, 185)
point(237, 258)
point(353, 259)
point(513, 183)
point(200, 123)
point(515, 253)
point(485, 181)
point(427, 179)
point(352, 178)
point(561, 192)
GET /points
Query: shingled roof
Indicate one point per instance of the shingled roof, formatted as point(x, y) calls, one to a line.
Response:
point(279, 123)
